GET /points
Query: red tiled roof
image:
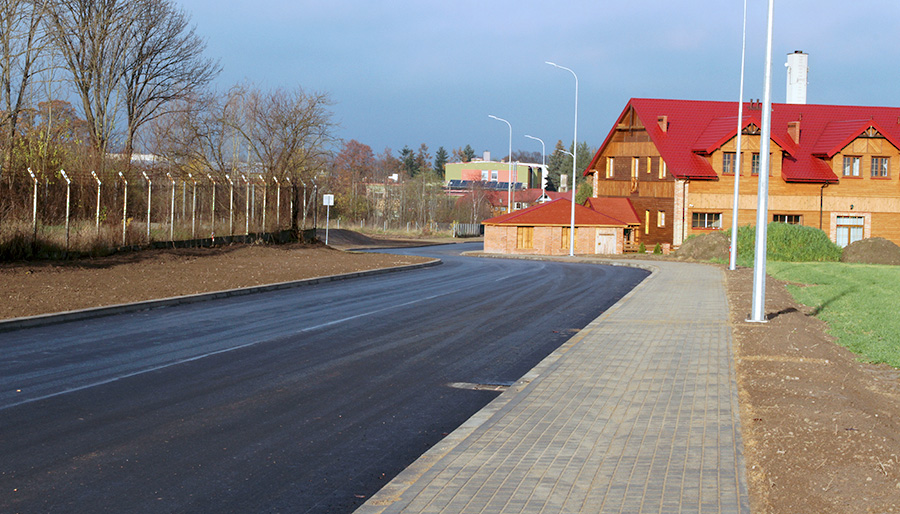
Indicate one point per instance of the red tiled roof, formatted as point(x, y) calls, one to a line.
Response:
point(697, 128)
point(556, 213)
point(619, 208)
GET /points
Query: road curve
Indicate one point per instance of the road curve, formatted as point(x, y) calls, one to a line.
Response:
point(302, 400)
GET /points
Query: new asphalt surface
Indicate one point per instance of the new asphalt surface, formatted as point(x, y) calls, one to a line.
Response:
point(305, 399)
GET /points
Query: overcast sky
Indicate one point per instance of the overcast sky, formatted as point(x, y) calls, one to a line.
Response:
point(418, 71)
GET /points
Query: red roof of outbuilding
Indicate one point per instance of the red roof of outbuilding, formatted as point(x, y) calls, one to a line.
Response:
point(619, 208)
point(556, 213)
point(697, 128)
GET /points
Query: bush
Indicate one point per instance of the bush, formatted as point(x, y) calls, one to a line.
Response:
point(657, 250)
point(642, 248)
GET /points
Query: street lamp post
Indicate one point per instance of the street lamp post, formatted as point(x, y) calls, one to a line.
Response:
point(757, 312)
point(574, 163)
point(543, 160)
point(509, 158)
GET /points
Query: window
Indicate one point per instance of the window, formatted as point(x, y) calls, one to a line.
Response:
point(754, 164)
point(792, 219)
point(880, 167)
point(662, 169)
point(525, 237)
point(728, 163)
point(649, 164)
point(485, 175)
point(635, 166)
point(849, 229)
point(706, 220)
point(646, 222)
point(610, 166)
point(851, 166)
point(494, 176)
point(660, 219)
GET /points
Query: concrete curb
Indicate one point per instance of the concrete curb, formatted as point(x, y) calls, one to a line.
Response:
point(97, 312)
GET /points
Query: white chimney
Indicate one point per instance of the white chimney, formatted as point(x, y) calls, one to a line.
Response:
point(797, 77)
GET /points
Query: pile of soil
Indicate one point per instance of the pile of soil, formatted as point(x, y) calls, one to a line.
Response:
point(707, 247)
point(875, 250)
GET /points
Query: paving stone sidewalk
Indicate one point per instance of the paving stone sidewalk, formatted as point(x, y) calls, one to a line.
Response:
point(637, 413)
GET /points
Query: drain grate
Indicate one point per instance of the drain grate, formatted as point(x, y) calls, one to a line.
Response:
point(493, 386)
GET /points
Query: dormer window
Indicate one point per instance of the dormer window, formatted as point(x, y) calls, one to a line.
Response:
point(728, 159)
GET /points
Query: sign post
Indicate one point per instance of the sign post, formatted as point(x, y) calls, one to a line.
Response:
point(327, 201)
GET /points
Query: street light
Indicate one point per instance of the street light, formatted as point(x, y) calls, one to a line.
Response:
point(543, 161)
point(509, 159)
point(574, 150)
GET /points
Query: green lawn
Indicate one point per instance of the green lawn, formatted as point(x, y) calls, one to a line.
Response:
point(859, 302)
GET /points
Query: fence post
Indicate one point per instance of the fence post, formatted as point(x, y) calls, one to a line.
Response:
point(98, 201)
point(277, 204)
point(124, 208)
point(193, 206)
point(213, 223)
point(68, 191)
point(33, 209)
point(172, 217)
point(265, 200)
point(230, 205)
point(149, 199)
point(247, 209)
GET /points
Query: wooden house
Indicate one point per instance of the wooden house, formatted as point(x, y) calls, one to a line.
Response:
point(832, 167)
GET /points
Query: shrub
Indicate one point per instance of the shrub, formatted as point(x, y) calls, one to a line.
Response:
point(788, 243)
point(642, 248)
point(657, 250)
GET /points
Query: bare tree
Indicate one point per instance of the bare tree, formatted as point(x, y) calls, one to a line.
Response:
point(20, 47)
point(93, 38)
point(287, 134)
point(164, 63)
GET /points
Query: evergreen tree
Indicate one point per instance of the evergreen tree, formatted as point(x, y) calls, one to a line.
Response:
point(440, 160)
point(408, 161)
point(468, 153)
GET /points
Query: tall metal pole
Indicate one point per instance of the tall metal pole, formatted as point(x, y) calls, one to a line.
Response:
point(543, 160)
point(265, 200)
point(509, 177)
point(762, 210)
point(574, 160)
point(193, 206)
point(732, 264)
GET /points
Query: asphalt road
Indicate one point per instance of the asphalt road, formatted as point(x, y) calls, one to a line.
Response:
point(301, 400)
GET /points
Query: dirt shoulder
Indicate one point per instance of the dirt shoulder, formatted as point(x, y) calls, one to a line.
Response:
point(34, 288)
point(821, 430)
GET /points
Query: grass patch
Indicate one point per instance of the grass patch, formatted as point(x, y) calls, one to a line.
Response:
point(858, 301)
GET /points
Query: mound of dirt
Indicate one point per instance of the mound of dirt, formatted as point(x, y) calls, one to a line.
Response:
point(340, 236)
point(875, 250)
point(706, 247)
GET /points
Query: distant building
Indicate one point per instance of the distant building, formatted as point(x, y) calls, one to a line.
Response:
point(523, 176)
point(544, 229)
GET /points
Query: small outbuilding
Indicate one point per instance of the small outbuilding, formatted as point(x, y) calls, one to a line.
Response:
point(544, 230)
